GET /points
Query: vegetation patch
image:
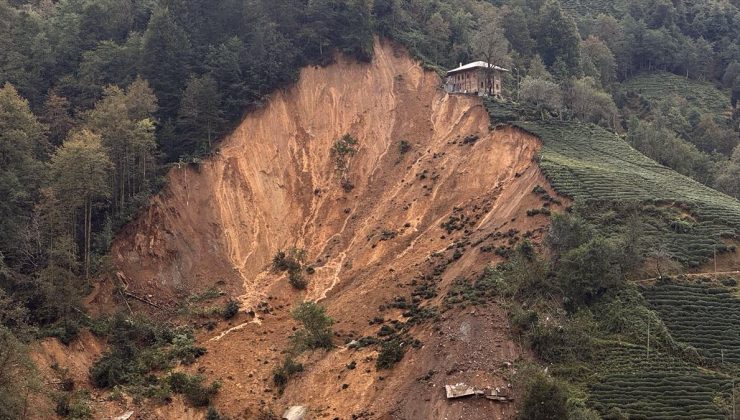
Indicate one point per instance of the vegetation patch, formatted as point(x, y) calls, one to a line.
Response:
point(601, 171)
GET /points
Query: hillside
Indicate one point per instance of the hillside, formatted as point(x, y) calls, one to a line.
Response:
point(655, 87)
point(415, 221)
point(597, 168)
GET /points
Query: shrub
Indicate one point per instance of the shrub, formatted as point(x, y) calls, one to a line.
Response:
point(191, 386)
point(544, 399)
point(316, 332)
point(589, 270)
point(404, 147)
point(110, 370)
point(231, 309)
point(213, 414)
point(295, 278)
point(391, 352)
point(284, 372)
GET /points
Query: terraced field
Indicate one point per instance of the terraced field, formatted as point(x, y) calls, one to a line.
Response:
point(704, 316)
point(593, 165)
point(658, 387)
point(656, 86)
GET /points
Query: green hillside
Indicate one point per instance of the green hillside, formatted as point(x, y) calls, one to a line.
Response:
point(595, 167)
point(653, 87)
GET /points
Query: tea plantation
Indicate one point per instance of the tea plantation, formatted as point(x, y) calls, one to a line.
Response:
point(657, 387)
point(596, 167)
point(704, 316)
point(654, 87)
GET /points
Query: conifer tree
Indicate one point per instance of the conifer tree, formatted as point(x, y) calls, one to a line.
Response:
point(80, 177)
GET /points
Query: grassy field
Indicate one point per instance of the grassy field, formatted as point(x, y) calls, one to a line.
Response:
point(596, 167)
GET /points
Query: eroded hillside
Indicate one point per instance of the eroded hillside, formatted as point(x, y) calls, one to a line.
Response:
point(274, 185)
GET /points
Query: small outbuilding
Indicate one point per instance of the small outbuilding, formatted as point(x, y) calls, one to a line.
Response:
point(479, 78)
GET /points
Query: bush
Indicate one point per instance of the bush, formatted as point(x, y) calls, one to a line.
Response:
point(589, 270)
point(295, 278)
point(231, 309)
point(316, 332)
point(391, 352)
point(213, 414)
point(191, 386)
point(404, 147)
point(283, 373)
point(110, 370)
point(544, 399)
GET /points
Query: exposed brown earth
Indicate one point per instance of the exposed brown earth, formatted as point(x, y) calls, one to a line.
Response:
point(273, 185)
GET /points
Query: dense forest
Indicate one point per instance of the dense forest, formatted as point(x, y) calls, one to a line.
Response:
point(99, 97)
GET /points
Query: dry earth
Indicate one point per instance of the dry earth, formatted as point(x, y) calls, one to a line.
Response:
point(273, 185)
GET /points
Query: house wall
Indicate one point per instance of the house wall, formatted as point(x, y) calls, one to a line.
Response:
point(473, 81)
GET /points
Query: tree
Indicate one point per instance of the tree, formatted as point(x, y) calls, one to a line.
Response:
point(438, 38)
point(592, 105)
point(728, 178)
point(316, 332)
point(200, 114)
point(567, 232)
point(711, 137)
point(22, 147)
point(663, 146)
point(490, 44)
point(15, 372)
point(596, 55)
point(80, 173)
point(610, 31)
point(558, 38)
point(537, 69)
point(124, 121)
point(165, 60)
point(516, 29)
point(588, 270)
point(545, 95)
point(731, 77)
point(56, 115)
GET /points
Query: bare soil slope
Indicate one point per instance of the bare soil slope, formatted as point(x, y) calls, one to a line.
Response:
point(273, 185)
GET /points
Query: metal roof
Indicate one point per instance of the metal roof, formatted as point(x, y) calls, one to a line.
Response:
point(476, 64)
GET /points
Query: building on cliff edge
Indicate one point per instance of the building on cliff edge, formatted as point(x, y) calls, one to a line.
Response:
point(479, 78)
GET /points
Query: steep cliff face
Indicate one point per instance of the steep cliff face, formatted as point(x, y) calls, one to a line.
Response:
point(274, 185)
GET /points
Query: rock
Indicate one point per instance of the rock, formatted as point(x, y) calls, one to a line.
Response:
point(296, 412)
point(125, 416)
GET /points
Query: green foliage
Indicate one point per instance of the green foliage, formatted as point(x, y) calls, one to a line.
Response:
point(558, 40)
point(191, 386)
point(284, 372)
point(544, 399)
point(22, 146)
point(292, 262)
point(138, 347)
point(342, 151)
point(316, 332)
point(602, 172)
point(701, 315)
point(15, 376)
point(391, 352)
point(75, 406)
point(230, 309)
point(589, 270)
